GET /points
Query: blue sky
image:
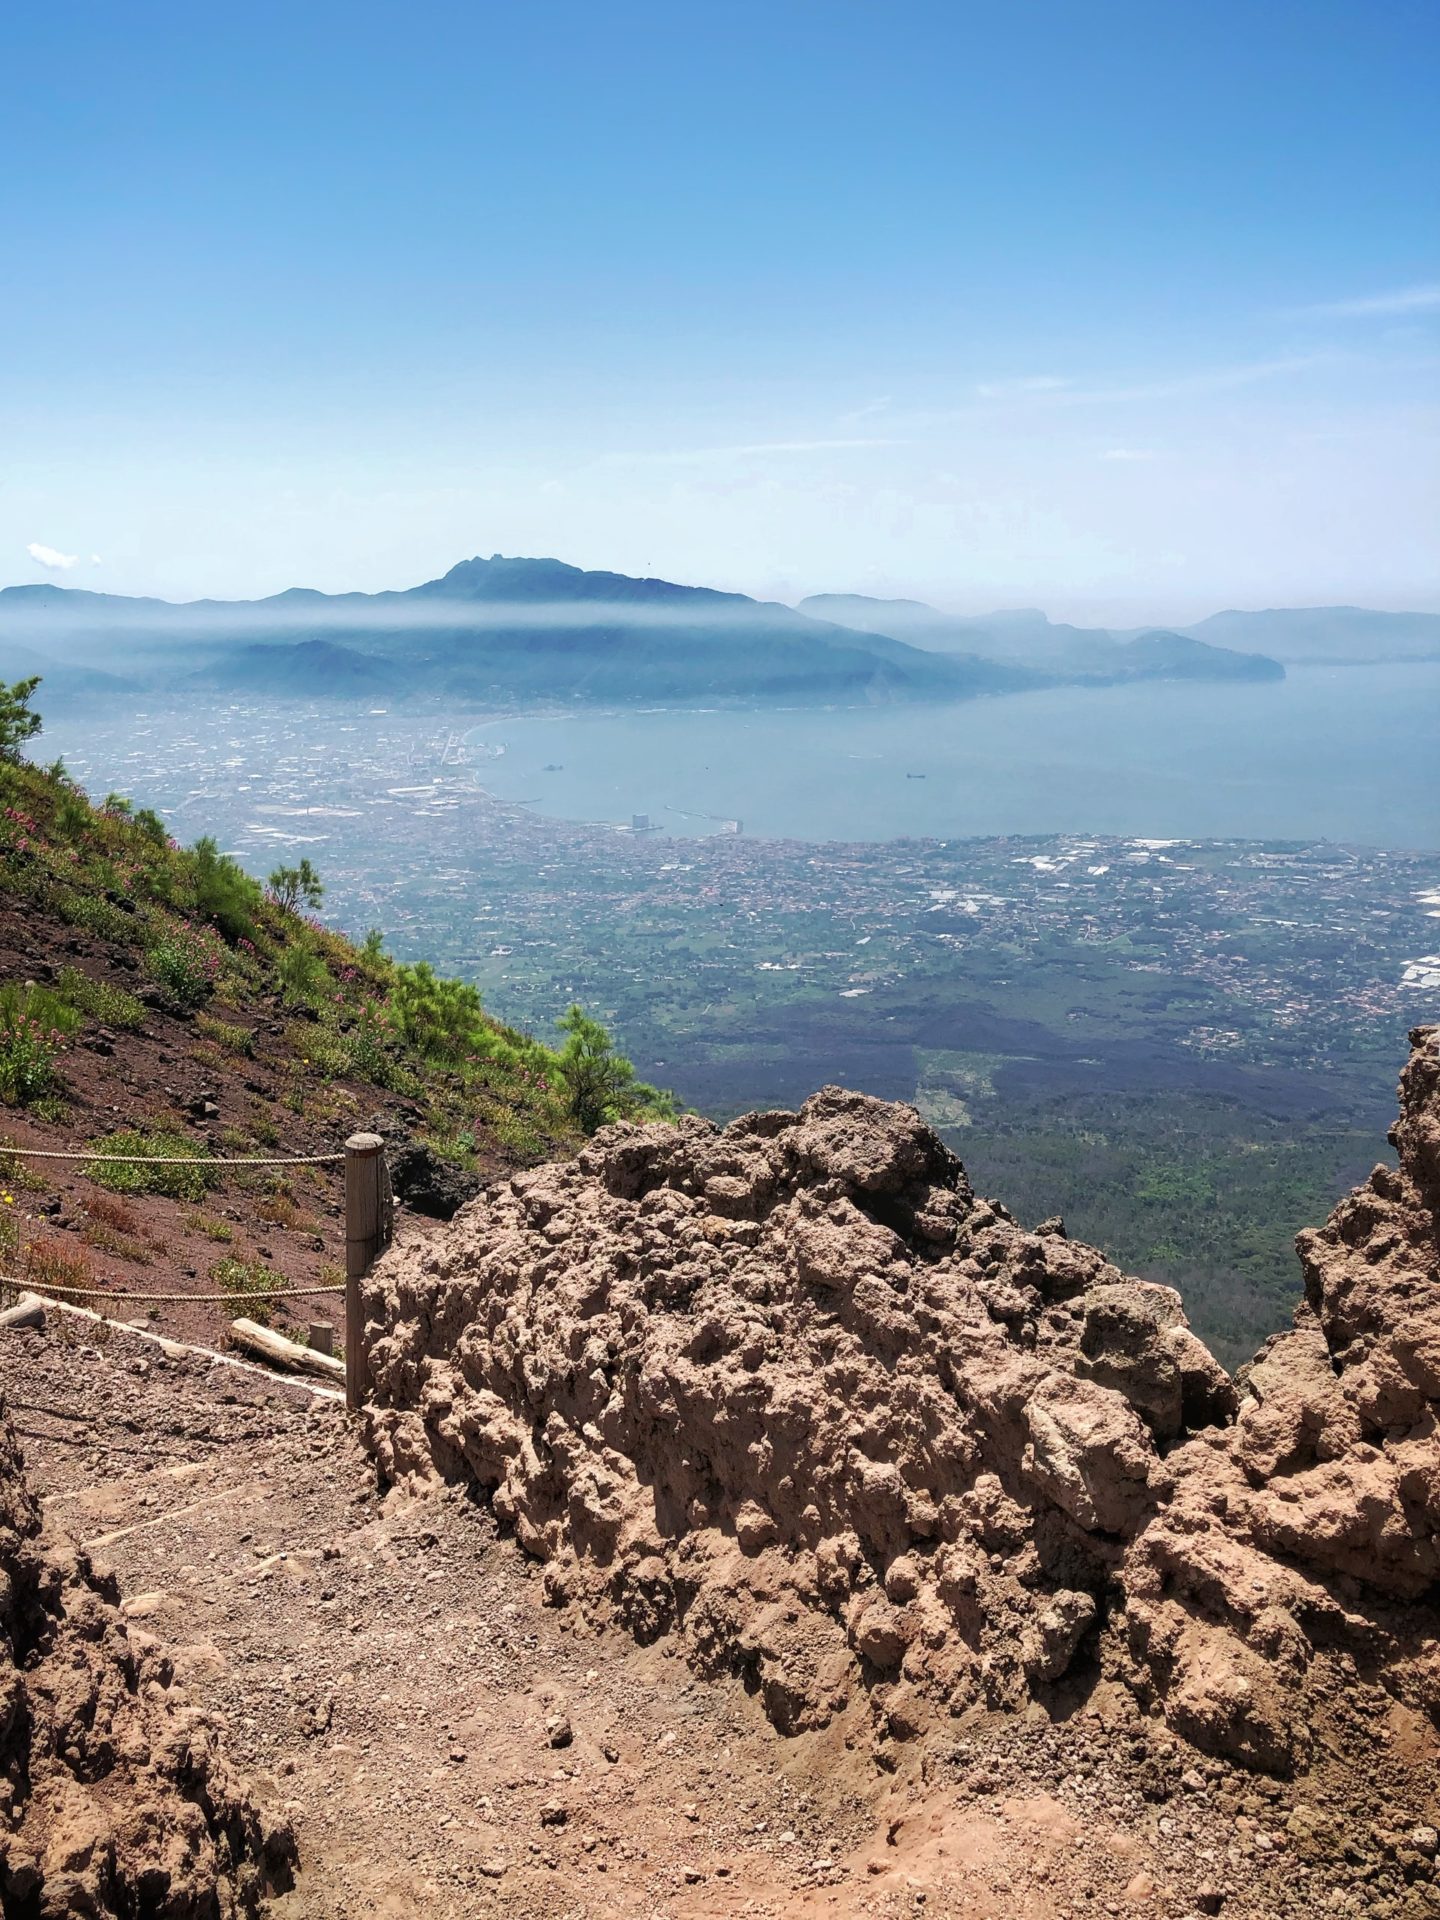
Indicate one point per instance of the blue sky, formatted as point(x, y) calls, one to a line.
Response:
point(1128, 310)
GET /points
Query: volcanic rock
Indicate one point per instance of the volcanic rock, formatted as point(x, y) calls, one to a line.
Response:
point(792, 1394)
point(115, 1798)
point(419, 1176)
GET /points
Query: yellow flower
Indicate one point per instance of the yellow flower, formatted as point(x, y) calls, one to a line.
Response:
point(9, 1199)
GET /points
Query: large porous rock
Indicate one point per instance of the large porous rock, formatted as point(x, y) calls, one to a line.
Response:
point(790, 1392)
point(115, 1799)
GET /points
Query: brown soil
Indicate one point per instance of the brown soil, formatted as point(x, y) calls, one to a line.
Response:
point(112, 1079)
point(114, 1796)
point(390, 1681)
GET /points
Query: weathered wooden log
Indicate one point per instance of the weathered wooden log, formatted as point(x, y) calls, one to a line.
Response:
point(28, 1311)
point(281, 1352)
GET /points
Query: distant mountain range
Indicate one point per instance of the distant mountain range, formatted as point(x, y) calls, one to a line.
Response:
point(508, 632)
point(497, 631)
point(1025, 636)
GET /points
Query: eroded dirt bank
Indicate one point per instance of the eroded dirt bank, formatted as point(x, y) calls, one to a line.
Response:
point(115, 1798)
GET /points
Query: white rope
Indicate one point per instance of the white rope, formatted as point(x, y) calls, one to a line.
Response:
point(101, 1292)
point(168, 1160)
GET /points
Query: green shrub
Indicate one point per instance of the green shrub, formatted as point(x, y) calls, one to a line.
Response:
point(458, 1148)
point(34, 1024)
point(186, 1182)
point(212, 1228)
point(9, 1229)
point(234, 1039)
point(93, 912)
point(17, 723)
point(326, 1051)
point(102, 1001)
point(601, 1083)
point(73, 816)
point(225, 894)
point(371, 1043)
point(186, 960)
point(151, 827)
point(27, 1060)
point(48, 1005)
point(518, 1135)
point(292, 886)
point(442, 1018)
point(249, 1284)
point(301, 972)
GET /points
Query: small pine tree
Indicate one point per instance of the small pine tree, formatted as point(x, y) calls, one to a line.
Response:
point(601, 1083)
point(225, 894)
point(17, 723)
point(291, 885)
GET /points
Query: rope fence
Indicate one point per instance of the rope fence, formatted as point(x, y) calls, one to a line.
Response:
point(101, 1292)
point(369, 1217)
point(171, 1160)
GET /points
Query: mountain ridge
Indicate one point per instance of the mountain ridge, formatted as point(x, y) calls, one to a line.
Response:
point(1291, 635)
point(513, 630)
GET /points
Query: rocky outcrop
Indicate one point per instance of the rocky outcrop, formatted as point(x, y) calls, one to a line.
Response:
point(1299, 1550)
point(419, 1177)
point(114, 1796)
point(793, 1394)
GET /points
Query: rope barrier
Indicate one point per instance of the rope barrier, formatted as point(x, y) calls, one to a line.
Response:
point(241, 1294)
point(169, 1160)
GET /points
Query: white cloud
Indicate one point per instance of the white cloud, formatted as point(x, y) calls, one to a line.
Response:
point(867, 412)
point(1127, 453)
point(50, 556)
point(1378, 306)
point(95, 560)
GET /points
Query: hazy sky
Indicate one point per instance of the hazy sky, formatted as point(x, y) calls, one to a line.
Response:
point(1128, 310)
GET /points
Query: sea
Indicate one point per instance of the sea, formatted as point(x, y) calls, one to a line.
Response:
point(1342, 753)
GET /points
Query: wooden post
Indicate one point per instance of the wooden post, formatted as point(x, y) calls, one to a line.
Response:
point(364, 1227)
point(322, 1337)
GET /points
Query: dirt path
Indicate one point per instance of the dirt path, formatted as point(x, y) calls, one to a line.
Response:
point(447, 1746)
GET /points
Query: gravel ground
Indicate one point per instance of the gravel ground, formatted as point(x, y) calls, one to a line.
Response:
point(447, 1746)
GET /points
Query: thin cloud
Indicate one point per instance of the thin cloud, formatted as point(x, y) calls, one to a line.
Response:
point(1043, 392)
point(1127, 453)
point(1377, 306)
point(867, 412)
point(1206, 380)
point(51, 556)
